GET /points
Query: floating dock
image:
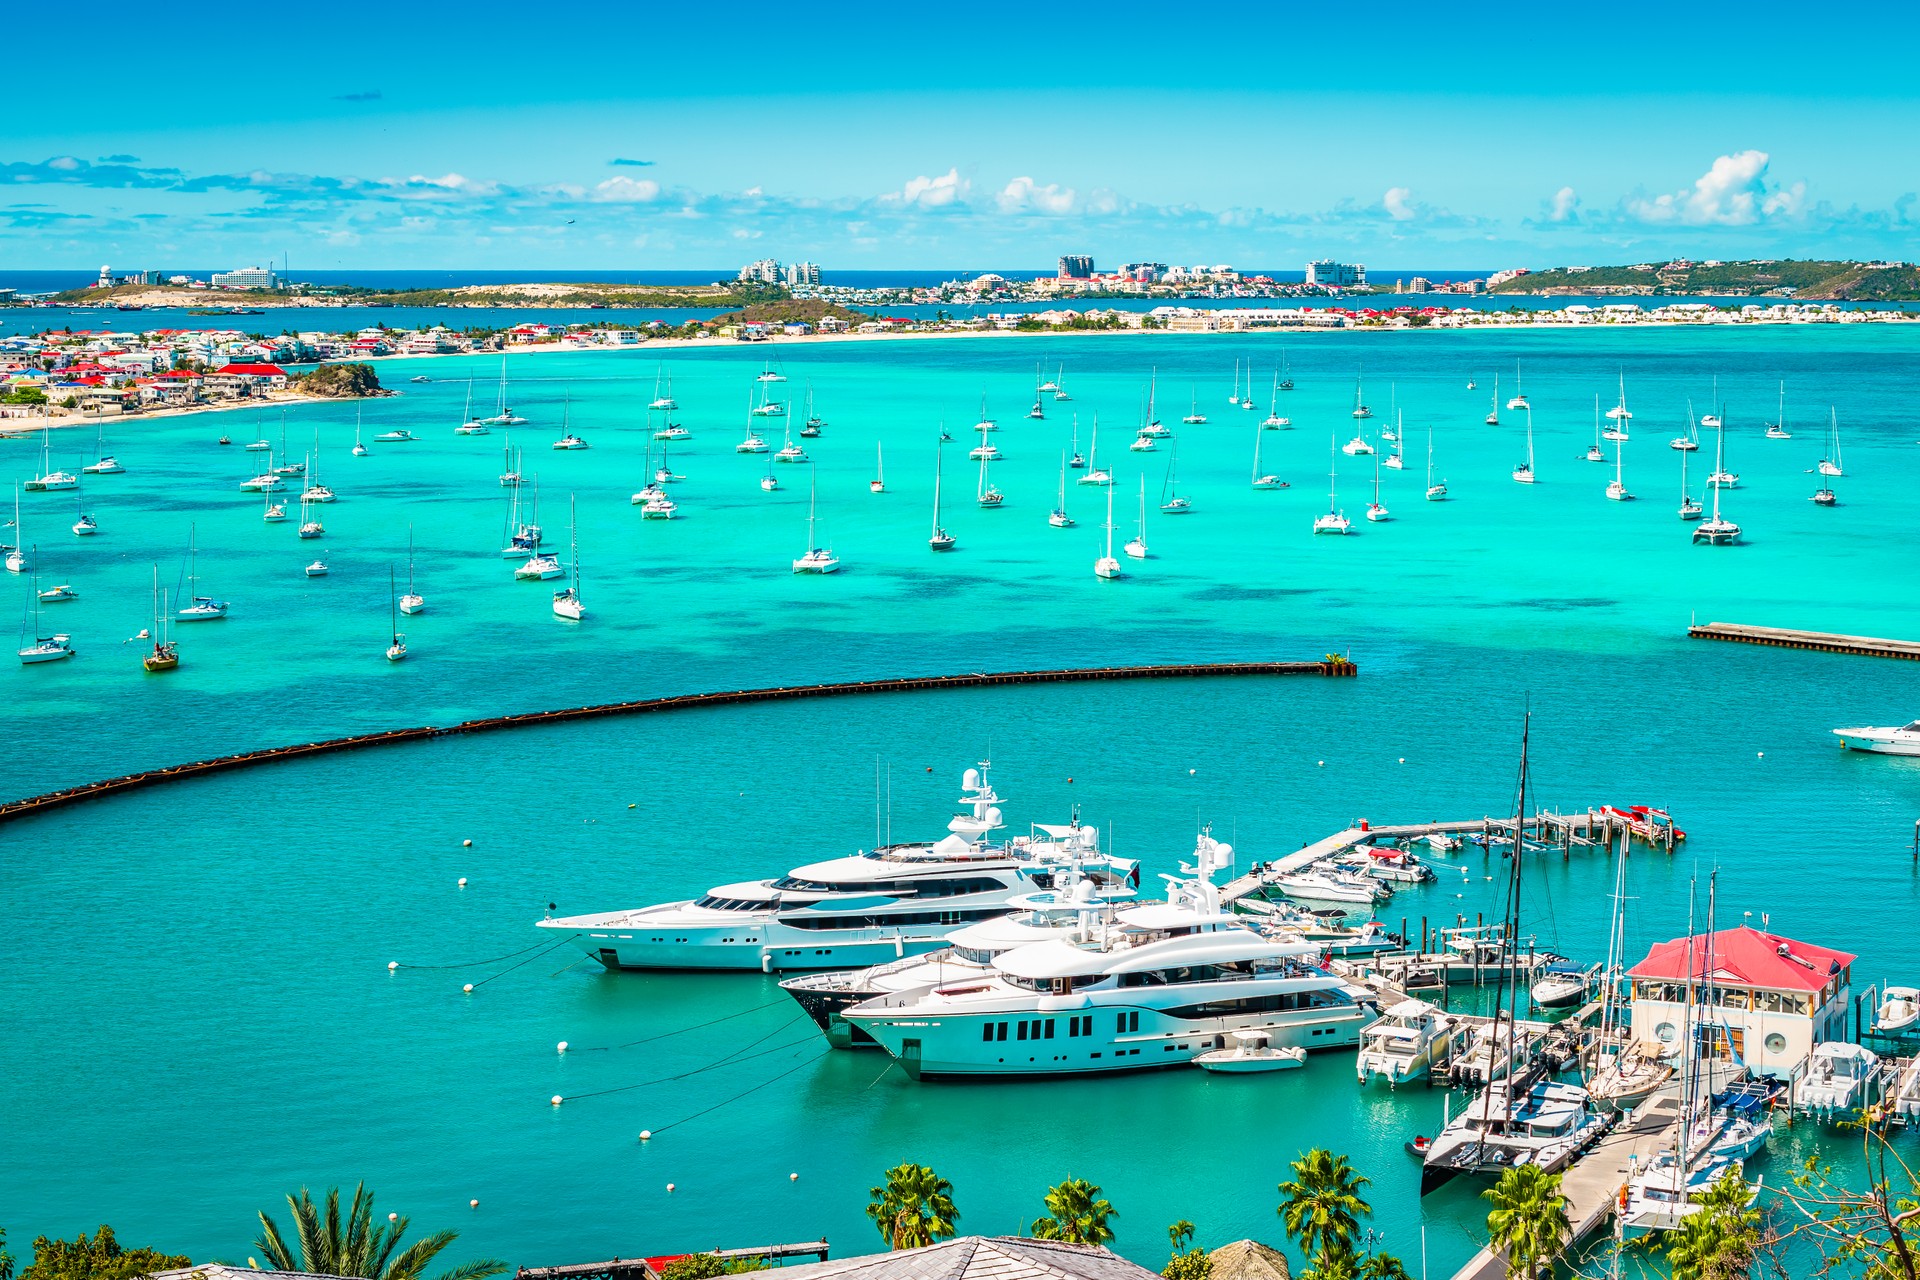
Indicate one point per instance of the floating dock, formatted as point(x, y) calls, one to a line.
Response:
point(1824, 641)
point(1331, 665)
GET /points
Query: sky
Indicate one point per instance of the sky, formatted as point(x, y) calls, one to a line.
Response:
point(985, 135)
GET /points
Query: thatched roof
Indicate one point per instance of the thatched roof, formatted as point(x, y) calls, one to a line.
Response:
point(1248, 1260)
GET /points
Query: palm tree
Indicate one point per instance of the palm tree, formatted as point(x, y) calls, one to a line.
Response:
point(1180, 1233)
point(1718, 1242)
point(1528, 1220)
point(1076, 1215)
point(355, 1247)
point(1384, 1266)
point(1322, 1207)
point(914, 1208)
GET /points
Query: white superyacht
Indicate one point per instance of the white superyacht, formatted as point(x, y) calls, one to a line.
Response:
point(1164, 984)
point(895, 901)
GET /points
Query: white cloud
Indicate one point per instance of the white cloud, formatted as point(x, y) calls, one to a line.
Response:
point(931, 193)
point(1733, 193)
point(1565, 207)
point(1024, 195)
point(1399, 204)
point(626, 190)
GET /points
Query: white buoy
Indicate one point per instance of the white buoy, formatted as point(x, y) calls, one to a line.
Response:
point(392, 965)
point(1763, 755)
point(669, 1188)
point(1403, 759)
point(466, 844)
point(645, 1134)
point(563, 1046)
point(1323, 764)
point(1189, 773)
point(473, 1204)
point(793, 1177)
point(629, 806)
point(393, 1217)
point(468, 988)
point(463, 882)
point(557, 1099)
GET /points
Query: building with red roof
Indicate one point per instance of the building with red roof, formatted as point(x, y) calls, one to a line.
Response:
point(1757, 997)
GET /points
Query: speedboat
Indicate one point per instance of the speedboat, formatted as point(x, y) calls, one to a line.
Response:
point(1520, 1120)
point(893, 901)
point(1165, 984)
point(1556, 986)
point(394, 437)
point(1314, 884)
point(318, 569)
point(1250, 1053)
point(55, 595)
point(1898, 1013)
point(419, 377)
point(1835, 1078)
point(1903, 740)
point(1403, 1044)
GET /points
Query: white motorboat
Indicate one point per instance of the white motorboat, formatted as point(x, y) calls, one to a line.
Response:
point(1898, 1013)
point(896, 900)
point(1250, 1053)
point(1404, 1043)
point(1887, 740)
point(1163, 984)
point(1313, 884)
point(1560, 985)
point(1835, 1078)
point(400, 436)
point(317, 568)
point(59, 594)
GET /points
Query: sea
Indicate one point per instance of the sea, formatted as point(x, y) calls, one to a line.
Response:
point(201, 1011)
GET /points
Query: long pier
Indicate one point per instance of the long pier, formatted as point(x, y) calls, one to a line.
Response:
point(1592, 1183)
point(1824, 641)
point(1331, 665)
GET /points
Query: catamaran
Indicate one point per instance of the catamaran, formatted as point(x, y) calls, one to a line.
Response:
point(1058, 517)
point(1196, 418)
point(1171, 502)
point(50, 478)
point(566, 601)
point(199, 608)
point(1335, 521)
point(1106, 566)
point(503, 415)
point(469, 425)
point(818, 559)
point(1716, 530)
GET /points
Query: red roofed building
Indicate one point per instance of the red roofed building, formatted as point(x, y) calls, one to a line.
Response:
point(1759, 998)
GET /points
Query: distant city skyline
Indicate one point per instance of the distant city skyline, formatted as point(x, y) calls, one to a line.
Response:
point(1499, 138)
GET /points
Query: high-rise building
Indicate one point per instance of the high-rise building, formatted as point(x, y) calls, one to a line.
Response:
point(1076, 266)
point(246, 278)
point(802, 273)
point(1420, 284)
point(1336, 275)
point(766, 271)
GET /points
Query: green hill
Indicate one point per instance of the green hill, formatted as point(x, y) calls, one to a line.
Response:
point(1813, 281)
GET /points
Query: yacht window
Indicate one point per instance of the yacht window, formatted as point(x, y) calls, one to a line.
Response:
point(986, 1031)
point(1021, 1034)
point(1049, 1025)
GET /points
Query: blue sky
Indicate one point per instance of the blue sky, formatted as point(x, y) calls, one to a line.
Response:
point(871, 136)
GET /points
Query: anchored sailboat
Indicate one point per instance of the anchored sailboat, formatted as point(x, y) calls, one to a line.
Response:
point(1335, 521)
point(1058, 517)
point(1106, 566)
point(818, 559)
point(566, 601)
point(940, 539)
point(397, 646)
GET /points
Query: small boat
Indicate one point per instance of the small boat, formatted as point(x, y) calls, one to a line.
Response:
point(662, 400)
point(1096, 474)
point(1436, 492)
point(394, 437)
point(224, 440)
point(1171, 502)
point(412, 601)
point(769, 374)
point(1559, 985)
point(1523, 474)
point(419, 377)
point(471, 426)
point(570, 441)
point(1402, 1046)
point(1886, 740)
point(1617, 487)
point(658, 507)
point(397, 646)
point(1831, 465)
point(1196, 418)
point(104, 463)
point(359, 450)
point(1058, 517)
point(939, 539)
point(59, 594)
point(198, 608)
point(1835, 1078)
point(1335, 521)
point(566, 601)
point(1356, 447)
point(984, 451)
point(166, 654)
point(988, 494)
point(790, 452)
point(1263, 479)
point(86, 526)
point(539, 567)
point(1377, 512)
point(1136, 547)
point(985, 424)
point(1106, 567)
point(1777, 429)
point(1142, 444)
point(1519, 400)
point(1493, 413)
point(39, 648)
point(1250, 1053)
point(818, 559)
point(1898, 1013)
point(879, 482)
point(318, 569)
point(752, 444)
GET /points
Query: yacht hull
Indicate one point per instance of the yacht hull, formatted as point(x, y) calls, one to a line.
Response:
point(1888, 742)
point(743, 947)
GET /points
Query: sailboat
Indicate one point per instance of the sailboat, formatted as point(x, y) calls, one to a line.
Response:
point(523, 536)
point(790, 452)
point(569, 441)
point(1617, 487)
point(512, 476)
point(813, 424)
point(199, 608)
point(663, 401)
point(1523, 474)
point(1594, 452)
point(50, 479)
point(1234, 398)
point(1263, 480)
point(987, 494)
point(1196, 418)
point(1689, 508)
point(504, 416)
point(315, 491)
point(104, 463)
point(566, 601)
point(1058, 517)
point(1335, 521)
point(1106, 566)
point(753, 442)
point(879, 482)
point(1391, 432)
point(1493, 412)
point(1721, 477)
point(1274, 421)
point(1618, 415)
point(1077, 462)
point(1357, 447)
point(1397, 460)
point(985, 424)
point(1777, 429)
point(1060, 385)
point(818, 559)
point(1096, 474)
point(1171, 503)
point(469, 425)
point(310, 526)
point(397, 646)
point(84, 525)
point(318, 569)
point(1375, 511)
point(359, 450)
point(1286, 374)
point(1717, 531)
point(1436, 492)
point(939, 539)
point(769, 482)
point(1360, 409)
point(412, 601)
point(1136, 548)
point(1519, 400)
point(770, 374)
point(41, 648)
point(1044, 383)
point(1830, 465)
point(1689, 440)
point(166, 653)
point(273, 513)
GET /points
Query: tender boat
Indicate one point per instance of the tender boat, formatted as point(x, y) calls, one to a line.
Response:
point(318, 569)
point(1898, 1013)
point(1560, 985)
point(1403, 1044)
point(394, 437)
point(1835, 1079)
point(1250, 1053)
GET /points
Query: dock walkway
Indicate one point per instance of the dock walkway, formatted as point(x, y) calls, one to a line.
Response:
point(1824, 641)
point(1592, 1183)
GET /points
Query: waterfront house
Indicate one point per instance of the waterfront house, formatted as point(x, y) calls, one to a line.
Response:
point(979, 1258)
point(1758, 998)
point(238, 381)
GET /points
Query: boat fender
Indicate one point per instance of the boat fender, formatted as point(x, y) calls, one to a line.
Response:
point(766, 960)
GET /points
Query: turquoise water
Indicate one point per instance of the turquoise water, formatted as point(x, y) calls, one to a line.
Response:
point(202, 1014)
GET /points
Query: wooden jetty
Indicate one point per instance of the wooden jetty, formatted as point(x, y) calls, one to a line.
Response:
point(1331, 665)
point(1824, 641)
point(649, 1268)
point(1592, 1183)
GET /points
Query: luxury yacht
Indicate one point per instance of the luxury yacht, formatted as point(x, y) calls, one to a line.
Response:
point(895, 901)
point(1160, 986)
point(1903, 740)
